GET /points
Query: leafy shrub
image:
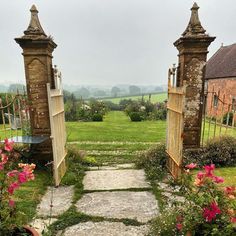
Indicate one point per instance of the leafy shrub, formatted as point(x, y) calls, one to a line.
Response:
point(220, 151)
point(135, 116)
point(112, 106)
point(153, 161)
point(124, 103)
point(97, 117)
point(208, 209)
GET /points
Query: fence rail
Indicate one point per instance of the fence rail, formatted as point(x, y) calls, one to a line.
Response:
point(218, 116)
point(14, 115)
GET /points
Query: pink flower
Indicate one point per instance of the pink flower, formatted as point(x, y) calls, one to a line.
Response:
point(22, 177)
point(209, 170)
point(231, 192)
point(191, 166)
point(1, 166)
point(233, 220)
point(4, 158)
point(200, 175)
point(179, 226)
point(12, 173)
point(11, 203)
point(209, 213)
point(8, 145)
point(218, 179)
point(13, 187)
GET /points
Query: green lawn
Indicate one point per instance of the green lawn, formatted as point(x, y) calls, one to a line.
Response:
point(116, 139)
point(30, 193)
point(211, 131)
point(117, 127)
point(159, 97)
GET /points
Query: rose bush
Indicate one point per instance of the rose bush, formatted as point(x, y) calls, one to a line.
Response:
point(209, 209)
point(13, 174)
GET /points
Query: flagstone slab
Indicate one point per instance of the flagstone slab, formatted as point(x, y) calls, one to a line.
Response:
point(61, 201)
point(141, 206)
point(113, 167)
point(105, 229)
point(41, 225)
point(115, 179)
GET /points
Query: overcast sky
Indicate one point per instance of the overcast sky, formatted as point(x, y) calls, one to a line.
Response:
point(108, 42)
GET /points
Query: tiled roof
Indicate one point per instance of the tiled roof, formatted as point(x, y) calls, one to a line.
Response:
point(222, 64)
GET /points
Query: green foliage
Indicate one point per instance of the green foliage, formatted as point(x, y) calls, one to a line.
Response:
point(153, 161)
point(220, 151)
point(70, 108)
point(205, 210)
point(124, 103)
point(165, 224)
point(97, 117)
point(146, 110)
point(112, 106)
point(135, 116)
point(155, 97)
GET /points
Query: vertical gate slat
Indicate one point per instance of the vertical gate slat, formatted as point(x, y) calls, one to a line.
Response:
point(57, 122)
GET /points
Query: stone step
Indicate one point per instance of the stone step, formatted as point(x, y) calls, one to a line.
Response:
point(113, 167)
point(140, 206)
point(104, 229)
point(115, 179)
point(61, 198)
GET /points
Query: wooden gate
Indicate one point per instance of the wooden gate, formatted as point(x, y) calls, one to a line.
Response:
point(58, 132)
point(175, 117)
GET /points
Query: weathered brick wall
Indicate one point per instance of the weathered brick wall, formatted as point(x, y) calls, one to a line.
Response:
point(225, 87)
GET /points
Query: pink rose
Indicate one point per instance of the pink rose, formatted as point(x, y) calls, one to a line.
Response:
point(191, 166)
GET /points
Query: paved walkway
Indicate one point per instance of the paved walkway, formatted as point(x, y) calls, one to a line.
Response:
point(115, 193)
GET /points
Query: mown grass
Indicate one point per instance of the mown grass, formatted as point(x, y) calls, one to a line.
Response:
point(116, 127)
point(211, 130)
point(29, 195)
point(158, 97)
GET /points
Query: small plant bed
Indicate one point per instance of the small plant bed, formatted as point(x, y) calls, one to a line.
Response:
point(207, 207)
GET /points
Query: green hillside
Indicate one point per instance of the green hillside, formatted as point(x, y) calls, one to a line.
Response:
point(159, 97)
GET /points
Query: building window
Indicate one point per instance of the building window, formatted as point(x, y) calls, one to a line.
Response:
point(234, 104)
point(215, 100)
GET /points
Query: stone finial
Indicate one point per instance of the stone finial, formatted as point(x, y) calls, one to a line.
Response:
point(34, 28)
point(194, 26)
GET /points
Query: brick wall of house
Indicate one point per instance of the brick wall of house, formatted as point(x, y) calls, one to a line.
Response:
point(226, 89)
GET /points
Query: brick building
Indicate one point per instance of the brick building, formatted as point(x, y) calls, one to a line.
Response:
point(221, 82)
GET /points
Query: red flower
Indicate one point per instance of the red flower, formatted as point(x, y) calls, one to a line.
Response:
point(218, 179)
point(11, 203)
point(179, 226)
point(8, 145)
point(233, 220)
point(200, 175)
point(209, 213)
point(209, 170)
point(191, 166)
point(22, 177)
point(13, 187)
point(12, 173)
point(231, 192)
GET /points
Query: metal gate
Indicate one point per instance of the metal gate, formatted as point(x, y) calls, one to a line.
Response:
point(58, 132)
point(175, 118)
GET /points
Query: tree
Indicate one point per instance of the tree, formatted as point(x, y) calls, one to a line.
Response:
point(82, 92)
point(114, 91)
point(134, 90)
point(13, 88)
point(99, 93)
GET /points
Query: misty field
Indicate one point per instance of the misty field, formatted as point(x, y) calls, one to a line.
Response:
point(158, 97)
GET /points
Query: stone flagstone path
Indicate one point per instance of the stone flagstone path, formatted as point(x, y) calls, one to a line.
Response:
point(115, 194)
